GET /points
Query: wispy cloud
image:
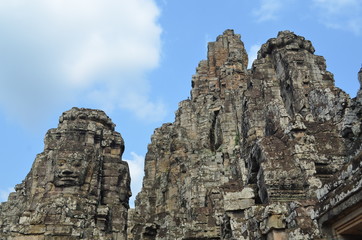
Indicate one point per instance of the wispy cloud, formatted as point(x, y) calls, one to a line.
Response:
point(58, 52)
point(4, 194)
point(136, 165)
point(336, 6)
point(340, 14)
point(268, 10)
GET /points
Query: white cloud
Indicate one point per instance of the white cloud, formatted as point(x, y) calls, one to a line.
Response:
point(64, 51)
point(340, 14)
point(336, 6)
point(253, 54)
point(136, 166)
point(4, 194)
point(143, 108)
point(268, 10)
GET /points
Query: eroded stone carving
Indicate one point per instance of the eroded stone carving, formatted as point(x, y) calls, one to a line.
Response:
point(272, 152)
point(250, 151)
point(70, 168)
point(78, 187)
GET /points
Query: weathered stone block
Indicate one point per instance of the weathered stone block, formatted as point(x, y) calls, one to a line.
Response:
point(276, 222)
point(247, 193)
point(37, 237)
point(36, 229)
point(234, 201)
point(277, 235)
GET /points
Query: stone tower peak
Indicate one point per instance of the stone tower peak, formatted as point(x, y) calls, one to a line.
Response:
point(287, 40)
point(87, 114)
point(255, 154)
point(271, 152)
point(225, 56)
point(78, 187)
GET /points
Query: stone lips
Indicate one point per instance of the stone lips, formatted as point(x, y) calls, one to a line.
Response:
point(78, 188)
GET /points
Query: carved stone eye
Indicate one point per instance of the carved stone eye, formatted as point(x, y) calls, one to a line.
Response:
point(61, 162)
point(77, 164)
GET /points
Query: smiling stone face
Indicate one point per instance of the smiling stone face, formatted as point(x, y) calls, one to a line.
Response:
point(78, 188)
point(70, 169)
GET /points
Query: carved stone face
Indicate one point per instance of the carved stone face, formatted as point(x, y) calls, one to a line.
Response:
point(70, 169)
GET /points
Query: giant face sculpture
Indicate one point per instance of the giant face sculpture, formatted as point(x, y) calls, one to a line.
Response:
point(70, 168)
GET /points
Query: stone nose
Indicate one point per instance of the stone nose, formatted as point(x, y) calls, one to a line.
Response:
point(67, 172)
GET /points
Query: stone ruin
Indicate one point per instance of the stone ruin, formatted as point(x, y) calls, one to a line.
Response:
point(270, 153)
point(78, 188)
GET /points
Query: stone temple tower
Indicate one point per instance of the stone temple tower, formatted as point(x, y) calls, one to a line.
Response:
point(78, 187)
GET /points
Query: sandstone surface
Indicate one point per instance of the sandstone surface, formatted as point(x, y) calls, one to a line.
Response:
point(78, 188)
point(268, 153)
point(250, 153)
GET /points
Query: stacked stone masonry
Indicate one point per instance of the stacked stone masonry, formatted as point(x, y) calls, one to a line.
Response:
point(78, 188)
point(272, 152)
point(254, 153)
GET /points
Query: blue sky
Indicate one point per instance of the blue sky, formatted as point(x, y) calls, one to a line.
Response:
point(135, 58)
